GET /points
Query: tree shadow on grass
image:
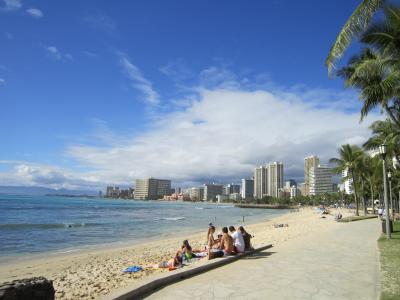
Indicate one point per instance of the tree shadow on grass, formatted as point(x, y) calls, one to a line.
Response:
point(258, 255)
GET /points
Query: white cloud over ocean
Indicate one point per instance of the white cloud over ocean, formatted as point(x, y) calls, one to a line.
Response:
point(218, 132)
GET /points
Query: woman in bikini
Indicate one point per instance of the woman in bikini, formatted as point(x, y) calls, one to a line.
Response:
point(211, 242)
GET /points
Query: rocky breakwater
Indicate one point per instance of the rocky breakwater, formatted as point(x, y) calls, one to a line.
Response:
point(36, 288)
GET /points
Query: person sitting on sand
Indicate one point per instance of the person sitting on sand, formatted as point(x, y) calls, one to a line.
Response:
point(211, 242)
point(185, 244)
point(238, 240)
point(226, 242)
point(338, 216)
point(246, 238)
point(171, 264)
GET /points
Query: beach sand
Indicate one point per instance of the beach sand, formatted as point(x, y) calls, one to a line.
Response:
point(95, 273)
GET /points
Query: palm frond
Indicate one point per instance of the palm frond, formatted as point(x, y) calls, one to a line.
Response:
point(355, 25)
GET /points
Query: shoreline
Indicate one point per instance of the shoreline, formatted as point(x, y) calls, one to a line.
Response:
point(94, 273)
point(120, 245)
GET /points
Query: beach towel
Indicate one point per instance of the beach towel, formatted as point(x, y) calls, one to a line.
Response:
point(132, 269)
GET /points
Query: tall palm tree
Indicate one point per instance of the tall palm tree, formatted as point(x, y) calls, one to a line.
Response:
point(349, 157)
point(372, 171)
point(355, 25)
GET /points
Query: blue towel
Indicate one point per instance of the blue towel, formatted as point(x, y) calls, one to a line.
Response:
point(133, 269)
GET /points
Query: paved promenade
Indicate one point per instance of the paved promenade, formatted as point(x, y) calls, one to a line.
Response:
point(340, 264)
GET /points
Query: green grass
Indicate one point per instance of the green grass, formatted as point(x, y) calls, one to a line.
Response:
point(357, 218)
point(390, 264)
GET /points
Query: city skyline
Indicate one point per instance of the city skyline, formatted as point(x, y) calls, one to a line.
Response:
point(173, 95)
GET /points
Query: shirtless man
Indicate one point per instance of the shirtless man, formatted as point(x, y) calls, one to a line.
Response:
point(226, 242)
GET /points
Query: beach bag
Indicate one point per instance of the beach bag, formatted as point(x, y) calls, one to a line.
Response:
point(215, 253)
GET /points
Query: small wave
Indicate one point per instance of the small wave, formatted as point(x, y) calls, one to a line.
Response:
point(199, 207)
point(173, 219)
point(44, 225)
point(225, 206)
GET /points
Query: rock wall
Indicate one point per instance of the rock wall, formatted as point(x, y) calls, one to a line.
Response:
point(36, 288)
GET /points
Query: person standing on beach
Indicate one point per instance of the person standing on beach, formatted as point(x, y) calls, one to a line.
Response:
point(238, 240)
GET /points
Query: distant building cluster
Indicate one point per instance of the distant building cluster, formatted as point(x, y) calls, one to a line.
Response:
point(268, 181)
point(117, 193)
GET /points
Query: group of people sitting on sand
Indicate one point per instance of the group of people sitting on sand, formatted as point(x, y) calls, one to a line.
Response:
point(225, 244)
point(228, 243)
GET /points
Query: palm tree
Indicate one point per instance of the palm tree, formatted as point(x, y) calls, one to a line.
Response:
point(372, 171)
point(349, 157)
point(378, 80)
point(375, 72)
point(385, 132)
point(355, 25)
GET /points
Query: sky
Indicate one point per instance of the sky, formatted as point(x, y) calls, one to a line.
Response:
point(103, 92)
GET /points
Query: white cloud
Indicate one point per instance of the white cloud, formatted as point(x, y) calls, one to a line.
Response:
point(55, 54)
point(35, 13)
point(10, 5)
point(90, 54)
point(100, 21)
point(30, 174)
point(177, 70)
point(2, 82)
point(224, 135)
point(138, 81)
point(221, 134)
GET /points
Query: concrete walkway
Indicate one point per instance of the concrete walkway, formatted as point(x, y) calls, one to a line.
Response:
point(341, 264)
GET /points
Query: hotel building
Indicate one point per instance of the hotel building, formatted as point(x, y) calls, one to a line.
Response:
point(247, 188)
point(309, 162)
point(275, 178)
point(152, 188)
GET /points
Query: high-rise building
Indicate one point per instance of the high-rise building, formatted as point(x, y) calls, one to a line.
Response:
point(109, 191)
point(152, 188)
point(309, 162)
point(231, 189)
point(113, 192)
point(348, 183)
point(260, 182)
point(294, 192)
point(196, 193)
point(320, 180)
point(211, 191)
point(247, 188)
point(275, 178)
point(302, 188)
point(289, 183)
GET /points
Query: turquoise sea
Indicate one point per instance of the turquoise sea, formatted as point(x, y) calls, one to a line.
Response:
point(41, 224)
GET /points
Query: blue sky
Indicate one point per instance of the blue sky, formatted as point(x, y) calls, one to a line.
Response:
point(96, 92)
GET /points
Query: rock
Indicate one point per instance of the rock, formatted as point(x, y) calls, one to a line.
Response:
point(36, 288)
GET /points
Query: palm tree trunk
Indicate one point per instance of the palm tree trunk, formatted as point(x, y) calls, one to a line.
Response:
point(363, 198)
point(355, 193)
point(372, 198)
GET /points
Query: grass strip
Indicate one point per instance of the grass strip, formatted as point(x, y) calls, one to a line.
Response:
point(390, 264)
point(357, 218)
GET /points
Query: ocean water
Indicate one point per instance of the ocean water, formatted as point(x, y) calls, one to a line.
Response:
point(42, 224)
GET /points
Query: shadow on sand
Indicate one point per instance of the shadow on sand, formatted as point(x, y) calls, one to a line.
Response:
point(258, 255)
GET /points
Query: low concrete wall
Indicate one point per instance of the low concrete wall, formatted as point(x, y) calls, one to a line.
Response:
point(153, 285)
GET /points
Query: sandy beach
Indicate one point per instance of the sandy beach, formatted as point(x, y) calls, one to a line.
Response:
point(95, 273)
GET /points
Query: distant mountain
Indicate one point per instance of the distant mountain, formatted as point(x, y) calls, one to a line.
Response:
point(41, 191)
